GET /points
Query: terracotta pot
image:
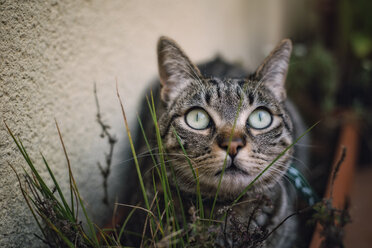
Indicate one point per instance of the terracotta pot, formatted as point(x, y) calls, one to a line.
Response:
point(349, 138)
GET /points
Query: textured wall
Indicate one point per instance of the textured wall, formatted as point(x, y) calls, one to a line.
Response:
point(52, 52)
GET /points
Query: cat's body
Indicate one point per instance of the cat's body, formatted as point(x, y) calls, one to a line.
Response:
point(201, 105)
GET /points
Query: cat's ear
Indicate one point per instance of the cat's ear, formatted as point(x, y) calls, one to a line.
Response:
point(175, 69)
point(273, 71)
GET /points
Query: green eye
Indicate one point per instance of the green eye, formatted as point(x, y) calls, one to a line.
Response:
point(260, 119)
point(197, 119)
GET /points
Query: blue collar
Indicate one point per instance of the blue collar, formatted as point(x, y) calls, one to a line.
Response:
point(302, 186)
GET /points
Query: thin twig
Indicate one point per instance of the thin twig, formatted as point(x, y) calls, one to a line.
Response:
point(105, 171)
point(256, 208)
point(334, 176)
point(301, 211)
point(146, 220)
point(137, 207)
point(337, 168)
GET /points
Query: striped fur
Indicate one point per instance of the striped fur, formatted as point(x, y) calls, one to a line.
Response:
point(218, 88)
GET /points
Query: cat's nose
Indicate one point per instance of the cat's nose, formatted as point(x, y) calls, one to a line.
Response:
point(235, 145)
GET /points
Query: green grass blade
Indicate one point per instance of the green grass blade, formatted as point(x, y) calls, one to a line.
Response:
point(133, 150)
point(69, 174)
point(156, 199)
point(28, 160)
point(199, 201)
point(66, 206)
point(169, 208)
point(59, 233)
point(41, 186)
point(104, 236)
point(75, 190)
point(26, 197)
point(146, 140)
point(181, 205)
point(125, 224)
point(163, 178)
point(226, 156)
point(185, 153)
point(154, 163)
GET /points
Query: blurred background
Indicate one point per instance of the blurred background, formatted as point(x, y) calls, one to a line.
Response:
point(52, 53)
point(330, 80)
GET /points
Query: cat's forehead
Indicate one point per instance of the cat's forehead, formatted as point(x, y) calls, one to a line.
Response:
point(231, 90)
point(223, 96)
point(226, 81)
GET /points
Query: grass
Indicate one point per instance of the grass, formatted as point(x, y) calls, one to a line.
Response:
point(57, 215)
point(55, 212)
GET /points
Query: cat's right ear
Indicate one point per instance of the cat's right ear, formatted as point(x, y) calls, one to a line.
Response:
point(175, 69)
point(273, 71)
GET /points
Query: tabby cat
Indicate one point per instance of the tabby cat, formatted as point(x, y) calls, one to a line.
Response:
point(200, 105)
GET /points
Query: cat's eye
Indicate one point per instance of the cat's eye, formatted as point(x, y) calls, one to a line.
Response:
point(197, 119)
point(260, 119)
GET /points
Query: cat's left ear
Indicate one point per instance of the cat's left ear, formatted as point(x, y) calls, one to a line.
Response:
point(176, 71)
point(273, 71)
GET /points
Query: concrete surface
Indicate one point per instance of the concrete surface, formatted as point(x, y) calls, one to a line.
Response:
point(51, 52)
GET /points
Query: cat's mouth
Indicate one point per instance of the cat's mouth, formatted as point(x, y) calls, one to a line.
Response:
point(232, 169)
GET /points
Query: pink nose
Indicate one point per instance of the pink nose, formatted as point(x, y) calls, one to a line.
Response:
point(235, 145)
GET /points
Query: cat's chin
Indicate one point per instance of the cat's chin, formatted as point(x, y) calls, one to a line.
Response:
point(233, 183)
point(233, 170)
point(235, 180)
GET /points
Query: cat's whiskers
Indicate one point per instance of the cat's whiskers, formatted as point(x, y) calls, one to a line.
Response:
point(298, 160)
point(304, 167)
point(159, 163)
point(173, 154)
point(144, 155)
point(203, 158)
point(210, 159)
point(285, 177)
point(305, 145)
point(144, 152)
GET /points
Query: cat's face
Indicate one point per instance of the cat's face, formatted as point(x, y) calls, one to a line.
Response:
point(203, 111)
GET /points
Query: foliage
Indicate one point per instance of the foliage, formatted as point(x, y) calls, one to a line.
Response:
point(332, 220)
point(61, 226)
point(314, 73)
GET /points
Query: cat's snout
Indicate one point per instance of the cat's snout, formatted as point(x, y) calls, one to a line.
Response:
point(235, 145)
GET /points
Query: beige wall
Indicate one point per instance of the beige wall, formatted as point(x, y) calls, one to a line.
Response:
point(52, 52)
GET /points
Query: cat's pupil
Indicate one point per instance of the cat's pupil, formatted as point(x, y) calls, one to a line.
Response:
point(260, 119)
